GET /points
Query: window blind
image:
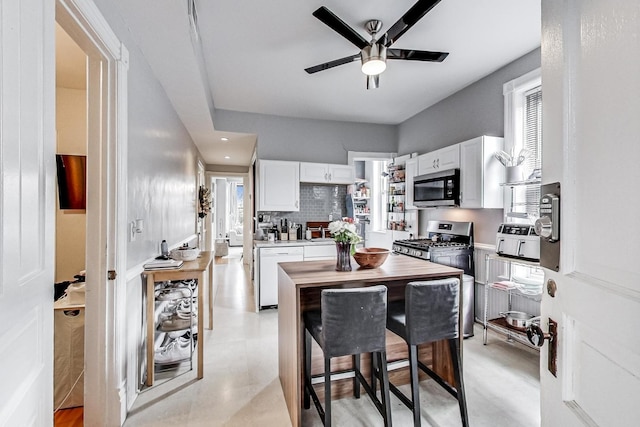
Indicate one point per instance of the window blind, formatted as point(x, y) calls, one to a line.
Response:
point(533, 143)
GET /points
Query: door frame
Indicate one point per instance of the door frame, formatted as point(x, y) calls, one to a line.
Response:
point(105, 346)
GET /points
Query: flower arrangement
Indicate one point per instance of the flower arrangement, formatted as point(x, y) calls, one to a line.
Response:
point(344, 233)
point(344, 230)
point(204, 197)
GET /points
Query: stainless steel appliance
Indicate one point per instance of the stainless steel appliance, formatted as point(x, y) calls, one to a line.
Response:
point(518, 241)
point(437, 189)
point(448, 243)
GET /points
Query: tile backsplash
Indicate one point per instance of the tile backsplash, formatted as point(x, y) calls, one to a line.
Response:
point(317, 202)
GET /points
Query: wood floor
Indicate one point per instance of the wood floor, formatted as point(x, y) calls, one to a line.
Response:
point(71, 417)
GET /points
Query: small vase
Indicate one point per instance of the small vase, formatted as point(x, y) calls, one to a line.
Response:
point(343, 261)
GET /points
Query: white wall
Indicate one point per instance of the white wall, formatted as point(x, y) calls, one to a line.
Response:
point(71, 130)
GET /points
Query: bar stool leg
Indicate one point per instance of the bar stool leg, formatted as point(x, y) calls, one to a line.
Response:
point(356, 382)
point(374, 372)
point(384, 387)
point(307, 368)
point(415, 394)
point(454, 347)
point(327, 391)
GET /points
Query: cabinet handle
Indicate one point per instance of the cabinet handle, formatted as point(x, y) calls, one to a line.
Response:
point(296, 203)
point(329, 177)
point(434, 163)
point(438, 163)
point(325, 177)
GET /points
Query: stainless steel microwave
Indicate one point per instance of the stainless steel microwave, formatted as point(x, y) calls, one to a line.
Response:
point(437, 189)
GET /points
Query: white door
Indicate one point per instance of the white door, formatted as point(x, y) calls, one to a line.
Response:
point(27, 168)
point(591, 110)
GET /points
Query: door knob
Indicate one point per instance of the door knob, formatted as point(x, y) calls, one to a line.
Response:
point(537, 337)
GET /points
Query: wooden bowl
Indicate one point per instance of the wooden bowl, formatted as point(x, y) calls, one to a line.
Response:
point(371, 257)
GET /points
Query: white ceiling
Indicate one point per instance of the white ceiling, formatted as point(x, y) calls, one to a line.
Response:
point(256, 52)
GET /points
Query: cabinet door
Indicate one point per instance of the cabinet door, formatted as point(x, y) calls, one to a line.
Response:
point(448, 157)
point(279, 186)
point(471, 173)
point(442, 159)
point(314, 172)
point(411, 170)
point(481, 173)
point(427, 163)
point(341, 174)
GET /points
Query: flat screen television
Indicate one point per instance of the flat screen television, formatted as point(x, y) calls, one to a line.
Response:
point(72, 177)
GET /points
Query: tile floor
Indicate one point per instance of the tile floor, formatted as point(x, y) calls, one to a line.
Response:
point(241, 386)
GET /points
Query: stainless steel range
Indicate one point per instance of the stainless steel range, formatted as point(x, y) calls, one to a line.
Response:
point(448, 242)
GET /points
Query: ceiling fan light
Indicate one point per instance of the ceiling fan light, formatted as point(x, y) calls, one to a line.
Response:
point(374, 59)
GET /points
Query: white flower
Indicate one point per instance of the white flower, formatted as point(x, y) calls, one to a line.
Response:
point(344, 230)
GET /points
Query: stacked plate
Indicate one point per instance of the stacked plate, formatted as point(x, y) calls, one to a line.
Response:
point(531, 285)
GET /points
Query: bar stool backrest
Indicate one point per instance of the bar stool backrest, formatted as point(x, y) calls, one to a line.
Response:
point(432, 309)
point(354, 320)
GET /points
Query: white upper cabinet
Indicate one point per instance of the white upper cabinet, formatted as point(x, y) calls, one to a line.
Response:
point(410, 171)
point(442, 159)
point(324, 173)
point(278, 186)
point(481, 173)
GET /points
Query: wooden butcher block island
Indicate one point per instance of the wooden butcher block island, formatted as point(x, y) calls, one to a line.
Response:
point(299, 287)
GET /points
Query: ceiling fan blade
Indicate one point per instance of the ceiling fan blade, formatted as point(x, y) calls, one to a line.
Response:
point(408, 20)
point(416, 55)
point(340, 27)
point(331, 64)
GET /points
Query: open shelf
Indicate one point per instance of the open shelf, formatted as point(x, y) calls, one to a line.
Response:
point(500, 325)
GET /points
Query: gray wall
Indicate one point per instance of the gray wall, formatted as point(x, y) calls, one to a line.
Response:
point(162, 167)
point(475, 110)
point(162, 158)
point(317, 202)
point(307, 140)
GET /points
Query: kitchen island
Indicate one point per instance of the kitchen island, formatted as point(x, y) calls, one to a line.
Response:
point(299, 288)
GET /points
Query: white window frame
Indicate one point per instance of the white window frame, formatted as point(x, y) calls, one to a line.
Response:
point(514, 105)
point(515, 92)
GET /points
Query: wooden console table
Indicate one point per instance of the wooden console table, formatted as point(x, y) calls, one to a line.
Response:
point(299, 287)
point(190, 270)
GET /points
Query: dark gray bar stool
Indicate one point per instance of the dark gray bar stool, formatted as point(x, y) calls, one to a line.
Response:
point(350, 322)
point(429, 313)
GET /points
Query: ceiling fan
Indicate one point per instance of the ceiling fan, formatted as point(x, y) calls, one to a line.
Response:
point(374, 54)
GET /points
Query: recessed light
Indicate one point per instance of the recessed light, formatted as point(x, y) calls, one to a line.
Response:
point(224, 138)
point(227, 157)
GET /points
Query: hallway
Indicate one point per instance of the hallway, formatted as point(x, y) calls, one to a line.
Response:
point(241, 385)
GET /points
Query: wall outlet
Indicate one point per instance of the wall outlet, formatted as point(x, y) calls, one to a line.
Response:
point(330, 217)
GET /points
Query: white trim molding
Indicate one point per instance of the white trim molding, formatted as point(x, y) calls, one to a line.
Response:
point(513, 92)
point(105, 345)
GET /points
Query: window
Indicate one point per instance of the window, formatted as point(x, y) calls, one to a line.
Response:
point(523, 130)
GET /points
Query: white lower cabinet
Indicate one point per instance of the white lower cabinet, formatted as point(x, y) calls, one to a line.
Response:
point(268, 274)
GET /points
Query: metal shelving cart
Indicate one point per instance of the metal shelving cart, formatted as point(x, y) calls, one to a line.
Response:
point(534, 294)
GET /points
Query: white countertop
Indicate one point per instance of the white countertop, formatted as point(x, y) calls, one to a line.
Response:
point(282, 243)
